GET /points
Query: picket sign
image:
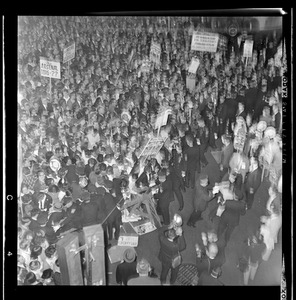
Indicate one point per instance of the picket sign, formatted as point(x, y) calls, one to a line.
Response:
point(248, 48)
point(204, 41)
point(155, 52)
point(152, 147)
point(49, 68)
point(193, 65)
point(69, 53)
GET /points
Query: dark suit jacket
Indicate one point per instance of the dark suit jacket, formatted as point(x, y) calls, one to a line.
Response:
point(277, 121)
point(207, 279)
point(167, 195)
point(233, 210)
point(73, 217)
point(47, 202)
point(89, 213)
point(168, 249)
point(124, 271)
point(253, 180)
point(143, 178)
point(99, 200)
point(193, 157)
point(42, 108)
point(200, 197)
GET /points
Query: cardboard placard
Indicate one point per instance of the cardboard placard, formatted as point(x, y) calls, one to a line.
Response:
point(69, 53)
point(49, 68)
point(162, 118)
point(194, 65)
point(204, 41)
point(130, 241)
point(155, 51)
point(190, 82)
point(152, 147)
point(248, 48)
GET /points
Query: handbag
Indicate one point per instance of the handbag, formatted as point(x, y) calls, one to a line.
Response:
point(176, 262)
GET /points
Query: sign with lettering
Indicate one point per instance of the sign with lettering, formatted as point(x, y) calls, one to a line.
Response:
point(69, 53)
point(204, 41)
point(152, 147)
point(49, 68)
point(131, 241)
point(194, 65)
point(248, 48)
point(155, 51)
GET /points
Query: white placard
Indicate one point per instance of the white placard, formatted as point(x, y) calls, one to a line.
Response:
point(204, 41)
point(248, 48)
point(152, 147)
point(155, 51)
point(49, 68)
point(131, 241)
point(69, 53)
point(194, 65)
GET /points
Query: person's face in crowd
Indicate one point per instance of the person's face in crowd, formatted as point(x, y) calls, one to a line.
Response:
point(41, 176)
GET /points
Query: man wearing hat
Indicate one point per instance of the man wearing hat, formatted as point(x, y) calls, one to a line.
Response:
point(231, 215)
point(172, 242)
point(89, 210)
point(192, 157)
point(127, 268)
point(114, 219)
point(72, 215)
point(143, 268)
point(50, 234)
point(165, 195)
point(201, 196)
point(97, 196)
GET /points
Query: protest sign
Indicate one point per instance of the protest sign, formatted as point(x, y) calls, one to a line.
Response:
point(51, 69)
point(152, 147)
point(204, 41)
point(190, 82)
point(69, 53)
point(193, 65)
point(155, 51)
point(248, 48)
point(162, 118)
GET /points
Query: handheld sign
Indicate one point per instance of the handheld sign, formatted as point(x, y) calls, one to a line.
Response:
point(194, 65)
point(248, 48)
point(51, 69)
point(204, 41)
point(155, 51)
point(69, 53)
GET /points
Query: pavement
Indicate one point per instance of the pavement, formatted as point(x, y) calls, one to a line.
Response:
point(268, 273)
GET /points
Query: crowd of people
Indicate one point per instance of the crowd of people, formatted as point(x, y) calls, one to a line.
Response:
point(82, 136)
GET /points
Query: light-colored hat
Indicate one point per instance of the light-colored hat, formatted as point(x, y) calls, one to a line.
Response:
point(129, 255)
point(54, 164)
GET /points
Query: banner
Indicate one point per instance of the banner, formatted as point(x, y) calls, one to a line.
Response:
point(69, 53)
point(194, 65)
point(49, 68)
point(152, 147)
point(155, 51)
point(204, 41)
point(248, 48)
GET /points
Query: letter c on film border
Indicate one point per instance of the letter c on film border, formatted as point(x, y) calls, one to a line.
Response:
point(9, 197)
